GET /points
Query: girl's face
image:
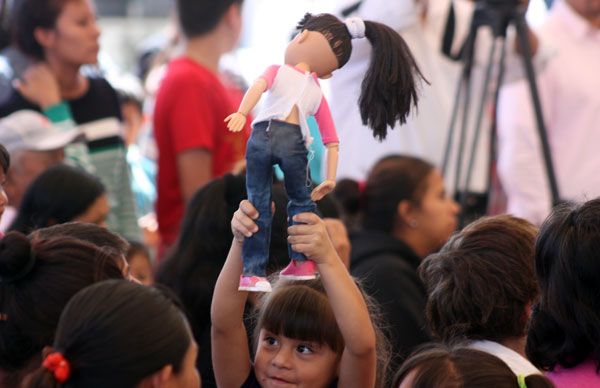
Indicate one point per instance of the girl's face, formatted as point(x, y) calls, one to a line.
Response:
point(286, 362)
point(141, 269)
point(188, 376)
point(74, 39)
point(436, 216)
point(97, 212)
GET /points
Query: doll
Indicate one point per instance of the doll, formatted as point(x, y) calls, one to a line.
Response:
point(280, 133)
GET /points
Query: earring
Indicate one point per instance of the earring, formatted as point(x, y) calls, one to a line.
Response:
point(413, 223)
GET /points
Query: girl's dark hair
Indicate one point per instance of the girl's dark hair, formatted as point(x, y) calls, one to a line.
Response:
point(37, 279)
point(198, 17)
point(135, 248)
point(482, 281)
point(438, 365)
point(192, 267)
point(4, 159)
point(389, 87)
point(32, 14)
point(393, 179)
point(116, 333)
point(565, 326)
point(58, 195)
point(92, 233)
point(301, 310)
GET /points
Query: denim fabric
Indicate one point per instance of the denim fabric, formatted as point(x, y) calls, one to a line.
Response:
point(274, 142)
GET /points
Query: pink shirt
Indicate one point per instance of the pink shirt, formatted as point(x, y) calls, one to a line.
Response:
point(582, 376)
point(289, 87)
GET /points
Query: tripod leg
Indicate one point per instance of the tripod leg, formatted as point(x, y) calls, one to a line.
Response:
point(535, 99)
point(452, 126)
point(480, 113)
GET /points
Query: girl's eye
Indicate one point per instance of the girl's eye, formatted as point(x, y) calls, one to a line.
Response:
point(304, 349)
point(270, 341)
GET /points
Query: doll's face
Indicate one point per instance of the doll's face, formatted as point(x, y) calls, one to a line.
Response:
point(312, 48)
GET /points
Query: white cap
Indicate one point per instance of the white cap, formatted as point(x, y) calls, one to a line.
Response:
point(32, 131)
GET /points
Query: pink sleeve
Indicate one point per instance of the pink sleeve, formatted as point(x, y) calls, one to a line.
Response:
point(269, 75)
point(326, 125)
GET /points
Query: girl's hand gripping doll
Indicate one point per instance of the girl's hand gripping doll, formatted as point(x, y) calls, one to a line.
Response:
point(280, 133)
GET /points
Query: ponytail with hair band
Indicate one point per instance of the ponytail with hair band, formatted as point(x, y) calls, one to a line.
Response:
point(58, 365)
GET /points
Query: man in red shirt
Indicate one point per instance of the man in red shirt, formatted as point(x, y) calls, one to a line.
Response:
point(193, 142)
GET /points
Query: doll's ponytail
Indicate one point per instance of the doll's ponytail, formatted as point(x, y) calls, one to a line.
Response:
point(389, 87)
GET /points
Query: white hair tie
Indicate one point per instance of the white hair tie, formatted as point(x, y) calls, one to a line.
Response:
point(356, 27)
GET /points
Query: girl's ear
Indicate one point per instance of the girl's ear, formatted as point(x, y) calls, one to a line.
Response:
point(405, 211)
point(44, 36)
point(158, 379)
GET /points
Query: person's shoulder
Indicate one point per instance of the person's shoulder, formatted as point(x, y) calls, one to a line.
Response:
point(186, 73)
point(15, 102)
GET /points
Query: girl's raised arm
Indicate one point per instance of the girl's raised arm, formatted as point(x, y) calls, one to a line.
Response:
point(230, 352)
point(358, 366)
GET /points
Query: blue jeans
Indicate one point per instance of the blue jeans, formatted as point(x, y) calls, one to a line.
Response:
point(274, 142)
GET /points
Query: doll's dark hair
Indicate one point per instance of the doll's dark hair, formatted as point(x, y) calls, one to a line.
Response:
point(37, 279)
point(301, 310)
point(116, 333)
point(389, 87)
point(565, 325)
point(439, 365)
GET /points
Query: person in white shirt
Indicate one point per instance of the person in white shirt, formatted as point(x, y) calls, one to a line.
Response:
point(421, 23)
point(568, 88)
point(481, 286)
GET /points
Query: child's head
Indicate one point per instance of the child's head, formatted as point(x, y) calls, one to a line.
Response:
point(297, 337)
point(140, 264)
point(481, 284)
point(60, 194)
point(437, 365)
point(118, 333)
point(37, 279)
point(200, 17)
point(565, 328)
point(389, 87)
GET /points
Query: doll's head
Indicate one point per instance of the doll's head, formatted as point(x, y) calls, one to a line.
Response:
point(297, 337)
point(389, 87)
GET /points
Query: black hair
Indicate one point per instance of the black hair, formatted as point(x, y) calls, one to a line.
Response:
point(92, 233)
point(116, 333)
point(32, 14)
point(389, 87)
point(135, 248)
point(481, 282)
point(4, 159)
point(192, 266)
point(565, 325)
point(393, 179)
point(198, 17)
point(439, 365)
point(37, 279)
point(59, 194)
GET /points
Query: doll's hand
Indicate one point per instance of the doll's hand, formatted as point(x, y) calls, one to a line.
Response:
point(235, 121)
point(311, 238)
point(322, 190)
point(39, 85)
point(242, 223)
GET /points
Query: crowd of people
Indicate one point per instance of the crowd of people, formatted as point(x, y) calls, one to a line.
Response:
point(125, 217)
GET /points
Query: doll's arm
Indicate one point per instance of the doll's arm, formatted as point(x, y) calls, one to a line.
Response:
point(230, 353)
point(236, 121)
point(328, 184)
point(359, 360)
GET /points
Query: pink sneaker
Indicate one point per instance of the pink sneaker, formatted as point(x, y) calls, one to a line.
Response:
point(254, 284)
point(300, 270)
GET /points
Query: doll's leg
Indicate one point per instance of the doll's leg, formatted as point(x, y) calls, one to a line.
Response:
point(294, 164)
point(259, 171)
